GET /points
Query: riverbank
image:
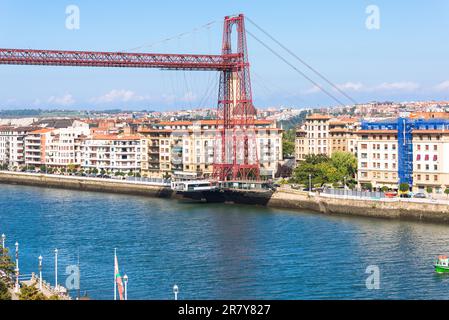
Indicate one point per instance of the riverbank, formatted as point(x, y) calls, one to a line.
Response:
point(405, 209)
point(87, 184)
point(284, 198)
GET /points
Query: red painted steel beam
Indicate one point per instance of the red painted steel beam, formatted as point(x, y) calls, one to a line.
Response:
point(120, 59)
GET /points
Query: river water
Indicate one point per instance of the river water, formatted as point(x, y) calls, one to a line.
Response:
point(219, 251)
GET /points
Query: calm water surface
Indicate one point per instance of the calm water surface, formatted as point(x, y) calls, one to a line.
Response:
point(219, 251)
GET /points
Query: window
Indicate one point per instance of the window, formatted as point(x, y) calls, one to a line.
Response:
point(427, 147)
point(418, 157)
point(419, 147)
point(435, 178)
point(418, 177)
point(435, 148)
point(418, 167)
point(427, 158)
point(435, 158)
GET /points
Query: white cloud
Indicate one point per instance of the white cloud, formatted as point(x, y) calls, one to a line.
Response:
point(405, 86)
point(119, 96)
point(443, 86)
point(312, 90)
point(397, 86)
point(351, 86)
point(65, 100)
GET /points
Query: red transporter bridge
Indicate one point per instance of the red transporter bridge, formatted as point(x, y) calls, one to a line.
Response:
point(235, 147)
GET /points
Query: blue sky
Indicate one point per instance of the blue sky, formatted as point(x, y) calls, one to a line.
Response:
point(406, 59)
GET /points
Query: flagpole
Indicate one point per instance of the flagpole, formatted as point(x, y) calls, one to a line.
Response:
point(115, 275)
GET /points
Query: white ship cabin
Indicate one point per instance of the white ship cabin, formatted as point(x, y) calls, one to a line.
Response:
point(193, 186)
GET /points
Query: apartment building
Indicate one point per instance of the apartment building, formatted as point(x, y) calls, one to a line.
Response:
point(189, 146)
point(322, 134)
point(12, 145)
point(405, 150)
point(431, 159)
point(35, 147)
point(342, 135)
point(111, 153)
point(63, 147)
point(378, 158)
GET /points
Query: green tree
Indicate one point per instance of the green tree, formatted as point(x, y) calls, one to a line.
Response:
point(404, 187)
point(446, 191)
point(288, 143)
point(4, 292)
point(384, 189)
point(429, 190)
point(6, 264)
point(30, 293)
point(345, 163)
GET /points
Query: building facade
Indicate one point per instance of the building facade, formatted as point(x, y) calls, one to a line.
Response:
point(405, 150)
point(322, 134)
point(189, 146)
point(12, 148)
point(111, 153)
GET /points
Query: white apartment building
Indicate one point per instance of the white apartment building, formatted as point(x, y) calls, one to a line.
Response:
point(378, 158)
point(111, 153)
point(431, 160)
point(63, 146)
point(12, 145)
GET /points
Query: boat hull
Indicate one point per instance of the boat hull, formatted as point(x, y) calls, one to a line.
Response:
point(440, 269)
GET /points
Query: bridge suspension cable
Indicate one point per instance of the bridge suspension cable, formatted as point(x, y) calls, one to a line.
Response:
point(319, 74)
point(296, 69)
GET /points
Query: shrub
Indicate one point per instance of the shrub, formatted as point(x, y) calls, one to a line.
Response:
point(404, 187)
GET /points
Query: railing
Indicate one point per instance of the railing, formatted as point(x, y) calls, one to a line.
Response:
point(353, 193)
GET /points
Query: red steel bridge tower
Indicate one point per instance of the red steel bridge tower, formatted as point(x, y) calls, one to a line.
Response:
point(235, 147)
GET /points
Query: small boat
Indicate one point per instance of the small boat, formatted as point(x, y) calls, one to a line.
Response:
point(442, 264)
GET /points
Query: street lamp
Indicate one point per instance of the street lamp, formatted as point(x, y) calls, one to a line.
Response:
point(310, 183)
point(17, 287)
point(56, 269)
point(17, 255)
point(3, 243)
point(40, 273)
point(125, 278)
point(176, 291)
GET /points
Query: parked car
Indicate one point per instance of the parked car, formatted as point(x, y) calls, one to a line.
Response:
point(391, 194)
point(406, 195)
point(420, 196)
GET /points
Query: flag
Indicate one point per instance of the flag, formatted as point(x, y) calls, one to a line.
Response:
point(118, 279)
